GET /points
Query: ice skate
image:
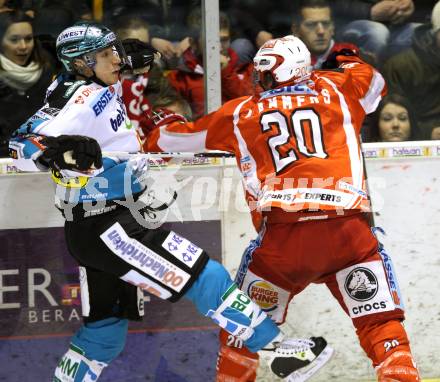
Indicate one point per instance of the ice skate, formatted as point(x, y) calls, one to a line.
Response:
point(296, 360)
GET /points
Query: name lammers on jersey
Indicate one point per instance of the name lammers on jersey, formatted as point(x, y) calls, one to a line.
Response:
point(280, 101)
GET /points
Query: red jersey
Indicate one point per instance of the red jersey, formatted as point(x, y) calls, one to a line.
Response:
point(136, 103)
point(297, 147)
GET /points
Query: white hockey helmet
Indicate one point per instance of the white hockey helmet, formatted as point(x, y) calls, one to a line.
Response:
point(285, 59)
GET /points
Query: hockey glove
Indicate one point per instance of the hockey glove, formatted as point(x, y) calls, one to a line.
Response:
point(140, 55)
point(71, 152)
point(333, 63)
point(162, 117)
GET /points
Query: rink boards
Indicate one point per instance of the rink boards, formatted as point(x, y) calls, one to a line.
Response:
point(39, 300)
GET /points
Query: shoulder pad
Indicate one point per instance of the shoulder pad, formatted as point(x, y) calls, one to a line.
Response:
point(59, 97)
point(71, 87)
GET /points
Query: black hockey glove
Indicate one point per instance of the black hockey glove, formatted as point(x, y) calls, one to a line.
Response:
point(332, 63)
point(71, 152)
point(140, 54)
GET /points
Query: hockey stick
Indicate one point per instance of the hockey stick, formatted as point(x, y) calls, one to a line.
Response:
point(370, 214)
point(68, 158)
point(159, 155)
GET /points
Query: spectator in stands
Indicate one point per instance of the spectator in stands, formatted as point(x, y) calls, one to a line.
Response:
point(141, 90)
point(380, 27)
point(169, 100)
point(393, 121)
point(25, 73)
point(4, 6)
point(435, 133)
point(25, 5)
point(313, 24)
point(250, 24)
point(187, 79)
point(175, 103)
point(169, 34)
point(53, 16)
point(253, 22)
point(415, 73)
point(133, 86)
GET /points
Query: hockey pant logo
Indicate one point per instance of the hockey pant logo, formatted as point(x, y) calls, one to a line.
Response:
point(272, 299)
point(365, 289)
point(144, 259)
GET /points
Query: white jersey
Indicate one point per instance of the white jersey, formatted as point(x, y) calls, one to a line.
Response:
point(91, 110)
point(87, 109)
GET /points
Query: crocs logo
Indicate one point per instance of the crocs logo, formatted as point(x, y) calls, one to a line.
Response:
point(361, 284)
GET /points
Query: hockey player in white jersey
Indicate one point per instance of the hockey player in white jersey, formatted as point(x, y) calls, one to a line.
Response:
point(118, 257)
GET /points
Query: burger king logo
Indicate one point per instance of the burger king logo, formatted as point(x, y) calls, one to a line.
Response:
point(264, 294)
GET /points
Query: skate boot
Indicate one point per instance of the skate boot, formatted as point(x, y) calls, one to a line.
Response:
point(296, 360)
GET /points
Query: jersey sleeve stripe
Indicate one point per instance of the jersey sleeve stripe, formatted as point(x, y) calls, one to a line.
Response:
point(169, 141)
point(370, 101)
point(352, 143)
point(250, 176)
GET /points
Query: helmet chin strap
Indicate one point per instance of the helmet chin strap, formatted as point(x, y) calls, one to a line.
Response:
point(84, 67)
point(81, 71)
point(95, 79)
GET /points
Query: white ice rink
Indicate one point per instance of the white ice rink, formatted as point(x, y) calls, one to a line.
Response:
point(405, 189)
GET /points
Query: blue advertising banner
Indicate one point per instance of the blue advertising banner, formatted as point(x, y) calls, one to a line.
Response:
point(40, 308)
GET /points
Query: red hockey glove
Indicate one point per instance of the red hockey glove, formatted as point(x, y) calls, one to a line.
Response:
point(333, 63)
point(162, 117)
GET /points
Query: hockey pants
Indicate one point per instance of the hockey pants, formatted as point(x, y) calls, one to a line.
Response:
point(345, 255)
point(214, 294)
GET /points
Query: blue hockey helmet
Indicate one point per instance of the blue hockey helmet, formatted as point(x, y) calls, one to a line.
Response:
point(83, 40)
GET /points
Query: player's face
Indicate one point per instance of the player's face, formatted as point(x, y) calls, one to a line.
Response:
point(316, 29)
point(18, 43)
point(394, 123)
point(108, 65)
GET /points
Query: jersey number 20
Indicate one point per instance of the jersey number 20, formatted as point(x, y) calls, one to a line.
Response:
point(300, 118)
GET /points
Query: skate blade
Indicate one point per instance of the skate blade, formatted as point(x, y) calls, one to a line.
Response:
point(306, 373)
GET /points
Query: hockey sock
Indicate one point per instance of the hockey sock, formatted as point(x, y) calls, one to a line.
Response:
point(215, 295)
point(75, 367)
point(93, 346)
point(387, 345)
point(235, 363)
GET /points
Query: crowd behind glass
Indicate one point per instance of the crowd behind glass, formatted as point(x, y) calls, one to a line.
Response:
point(401, 38)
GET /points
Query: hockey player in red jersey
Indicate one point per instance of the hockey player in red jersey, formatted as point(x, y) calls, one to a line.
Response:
point(297, 146)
